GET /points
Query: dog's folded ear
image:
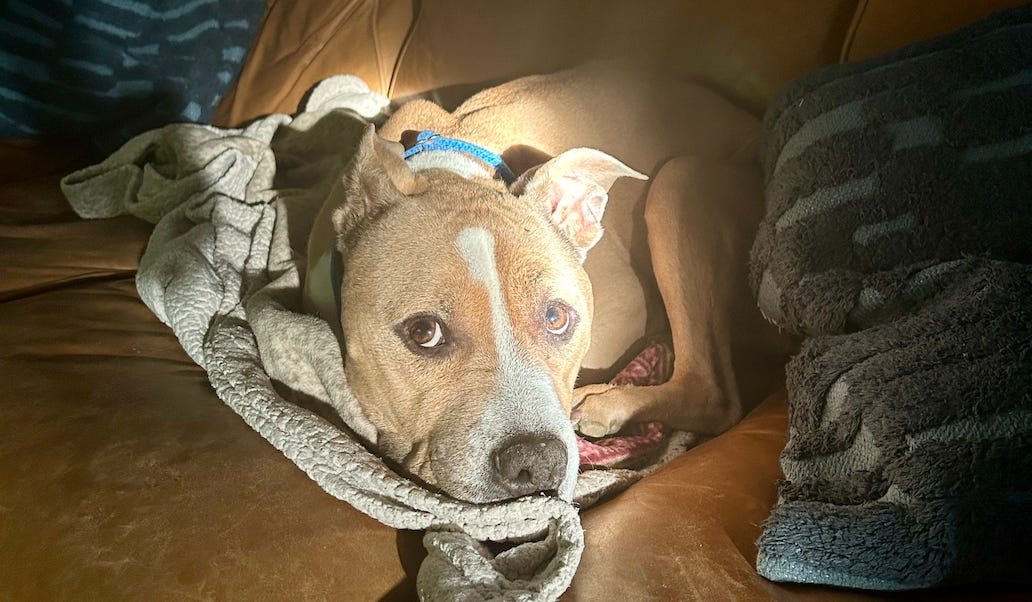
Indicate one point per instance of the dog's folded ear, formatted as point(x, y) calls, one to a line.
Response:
point(574, 188)
point(377, 177)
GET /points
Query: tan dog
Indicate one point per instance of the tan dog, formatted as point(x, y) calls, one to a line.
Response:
point(465, 313)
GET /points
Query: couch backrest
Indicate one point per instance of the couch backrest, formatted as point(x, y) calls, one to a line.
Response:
point(748, 49)
point(882, 25)
point(745, 47)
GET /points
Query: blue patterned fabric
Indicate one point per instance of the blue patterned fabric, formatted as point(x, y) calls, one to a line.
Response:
point(110, 69)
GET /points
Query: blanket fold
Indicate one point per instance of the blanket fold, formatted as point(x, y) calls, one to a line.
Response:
point(898, 236)
point(233, 208)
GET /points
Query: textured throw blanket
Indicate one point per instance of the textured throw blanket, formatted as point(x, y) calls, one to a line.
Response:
point(898, 237)
point(232, 210)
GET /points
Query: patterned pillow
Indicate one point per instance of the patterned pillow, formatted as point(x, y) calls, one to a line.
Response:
point(110, 69)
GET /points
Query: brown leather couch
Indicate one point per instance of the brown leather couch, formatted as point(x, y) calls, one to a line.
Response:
point(122, 475)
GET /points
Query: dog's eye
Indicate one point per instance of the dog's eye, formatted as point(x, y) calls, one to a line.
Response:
point(557, 319)
point(425, 332)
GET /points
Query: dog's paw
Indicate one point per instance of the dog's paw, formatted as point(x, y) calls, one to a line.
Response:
point(599, 410)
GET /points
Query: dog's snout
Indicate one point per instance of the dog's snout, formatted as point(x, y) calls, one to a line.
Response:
point(529, 463)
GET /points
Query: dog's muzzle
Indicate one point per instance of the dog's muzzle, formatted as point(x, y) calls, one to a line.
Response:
point(529, 463)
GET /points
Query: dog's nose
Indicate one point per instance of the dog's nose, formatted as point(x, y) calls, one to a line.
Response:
point(529, 463)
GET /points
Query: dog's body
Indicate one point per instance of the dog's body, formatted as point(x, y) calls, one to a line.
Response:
point(465, 313)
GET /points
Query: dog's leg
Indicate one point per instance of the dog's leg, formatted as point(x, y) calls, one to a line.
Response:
point(701, 216)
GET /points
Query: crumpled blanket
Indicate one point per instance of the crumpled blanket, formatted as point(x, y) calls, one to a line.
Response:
point(232, 209)
point(898, 237)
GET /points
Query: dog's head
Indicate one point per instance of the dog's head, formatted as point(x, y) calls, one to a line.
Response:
point(466, 313)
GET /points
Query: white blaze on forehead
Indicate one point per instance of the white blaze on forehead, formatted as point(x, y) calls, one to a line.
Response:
point(525, 400)
point(477, 247)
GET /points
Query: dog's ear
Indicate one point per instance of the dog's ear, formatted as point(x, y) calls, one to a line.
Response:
point(574, 188)
point(377, 177)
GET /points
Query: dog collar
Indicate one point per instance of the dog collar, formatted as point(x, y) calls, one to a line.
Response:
point(429, 140)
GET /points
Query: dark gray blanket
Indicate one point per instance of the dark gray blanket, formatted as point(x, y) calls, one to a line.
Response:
point(898, 238)
point(919, 155)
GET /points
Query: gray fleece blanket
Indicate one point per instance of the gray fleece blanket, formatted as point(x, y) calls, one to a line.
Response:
point(233, 208)
point(898, 239)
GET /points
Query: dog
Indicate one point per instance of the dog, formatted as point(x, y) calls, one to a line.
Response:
point(452, 261)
